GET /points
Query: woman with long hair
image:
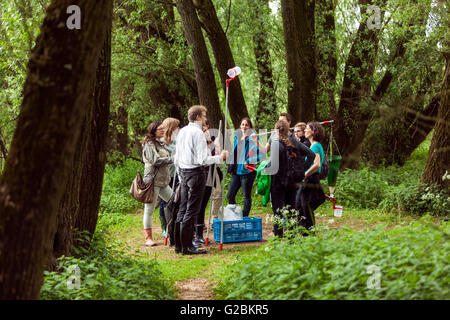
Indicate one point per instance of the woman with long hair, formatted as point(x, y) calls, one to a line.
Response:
point(171, 127)
point(242, 167)
point(310, 194)
point(157, 161)
point(281, 188)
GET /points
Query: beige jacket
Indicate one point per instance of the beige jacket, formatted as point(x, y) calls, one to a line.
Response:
point(157, 157)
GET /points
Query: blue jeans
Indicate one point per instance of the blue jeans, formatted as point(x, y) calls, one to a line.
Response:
point(246, 181)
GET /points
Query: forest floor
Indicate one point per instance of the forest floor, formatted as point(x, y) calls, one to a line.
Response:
point(195, 277)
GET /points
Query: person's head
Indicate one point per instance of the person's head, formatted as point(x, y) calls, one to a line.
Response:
point(171, 126)
point(314, 131)
point(246, 124)
point(197, 114)
point(283, 131)
point(282, 128)
point(286, 117)
point(155, 132)
point(299, 130)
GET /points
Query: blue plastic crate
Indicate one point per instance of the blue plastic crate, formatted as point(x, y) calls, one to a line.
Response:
point(247, 229)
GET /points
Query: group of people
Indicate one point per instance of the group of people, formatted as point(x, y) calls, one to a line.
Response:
point(190, 156)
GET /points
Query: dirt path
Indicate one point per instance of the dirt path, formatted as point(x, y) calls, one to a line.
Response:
point(202, 288)
point(195, 289)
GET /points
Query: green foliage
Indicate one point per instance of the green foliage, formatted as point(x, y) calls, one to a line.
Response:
point(394, 188)
point(106, 272)
point(417, 199)
point(116, 200)
point(360, 188)
point(411, 261)
point(19, 27)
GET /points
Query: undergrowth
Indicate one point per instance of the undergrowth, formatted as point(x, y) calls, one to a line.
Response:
point(105, 271)
point(402, 263)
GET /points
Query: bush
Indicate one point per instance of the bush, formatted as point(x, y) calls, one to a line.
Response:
point(116, 200)
point(417, 199)
point(106, 272)
point(360, 188)
point(410, 263)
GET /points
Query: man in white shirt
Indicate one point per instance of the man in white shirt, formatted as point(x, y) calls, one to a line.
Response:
point(191, 156)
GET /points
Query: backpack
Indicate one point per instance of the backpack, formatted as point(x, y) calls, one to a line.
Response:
point(323, 174)
point(296, 167)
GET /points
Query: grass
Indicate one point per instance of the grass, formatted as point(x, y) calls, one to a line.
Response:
point(125, 224)
point(212, 266)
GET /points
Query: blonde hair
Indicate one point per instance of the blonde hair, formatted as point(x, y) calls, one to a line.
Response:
point(195, 111)
point(301, 125)
point(169, 124)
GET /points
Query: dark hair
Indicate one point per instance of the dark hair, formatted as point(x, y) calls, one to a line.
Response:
point(283, 132)
point(248, 121)
point(318, 132)
point(150, 136)
point(287, 115)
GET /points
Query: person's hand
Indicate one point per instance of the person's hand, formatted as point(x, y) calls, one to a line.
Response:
point(245, 165)
point(254, 137)
point(224, 155)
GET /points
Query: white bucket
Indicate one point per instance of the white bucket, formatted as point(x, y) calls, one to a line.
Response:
point(338, 211)
point(234, 72)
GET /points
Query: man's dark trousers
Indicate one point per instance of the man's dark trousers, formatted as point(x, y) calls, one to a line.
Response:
point(191, 194)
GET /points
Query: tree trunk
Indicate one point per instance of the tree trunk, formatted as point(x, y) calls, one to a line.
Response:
point(61, 73)
point(170, 90)
point(3, 147)
point(3, 150)
point(204, 75)
point(118, 129)
point(68, 207)
point(85, 180)
point(299, 38)
point(95, 160)
point(224, 58)
point(397, 134)
point(438, 162)
point(351, 119)
point(266, 109)
point(326, 40)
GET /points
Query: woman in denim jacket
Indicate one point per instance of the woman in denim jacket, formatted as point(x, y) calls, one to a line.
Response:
point(242, 167)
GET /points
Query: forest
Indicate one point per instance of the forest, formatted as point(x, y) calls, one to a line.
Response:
point(80, 82)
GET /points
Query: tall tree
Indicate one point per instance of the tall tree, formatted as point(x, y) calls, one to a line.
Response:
point(204, 75)
point(351, 115)
point(161, 87)
point(438, 162)
point(224, 58)
point(299, 38)
point(61, 73)
point(327, 62)
point(266, 108)
point(78, 209)
point(95, 159)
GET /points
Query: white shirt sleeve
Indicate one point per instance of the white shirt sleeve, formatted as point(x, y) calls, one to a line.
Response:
point(201, 151)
